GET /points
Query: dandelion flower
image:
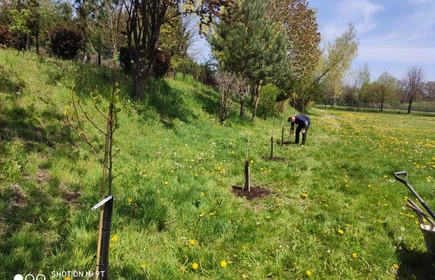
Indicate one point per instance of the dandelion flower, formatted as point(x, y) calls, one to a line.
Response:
point(182, 270)
point(244, 276)
point(130, 200)
point(223, 263)
point(340, 231)
point(192, 242)
point(354, 255)
point(67, 278)
point(143, 265)
point(195, 266)
point(395, 266)
point(115, 238)
point(304, 195)
point(308, 273)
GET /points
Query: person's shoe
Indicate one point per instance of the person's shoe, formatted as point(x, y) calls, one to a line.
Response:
point(302, 145)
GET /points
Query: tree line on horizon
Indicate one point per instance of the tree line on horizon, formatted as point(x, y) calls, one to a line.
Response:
point(273, 43)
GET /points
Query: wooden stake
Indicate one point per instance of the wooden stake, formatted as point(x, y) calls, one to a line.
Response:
point(247, 177)
point(271, 147)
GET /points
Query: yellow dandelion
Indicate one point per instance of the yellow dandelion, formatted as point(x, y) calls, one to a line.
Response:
point(182, 270)
point(340, 231)
point(143, 265)
point(195, 266)
point(115, 238)
point(67, 278)
point(379, 221)
point(304, 195)
point(130, 200)
point(355, 235)
point(308, 273)
point(110, 245)
point(223, 263)
point(354, 255)
point(192, 242)
point(244, 276)
point(395, 266)
point(166, 182)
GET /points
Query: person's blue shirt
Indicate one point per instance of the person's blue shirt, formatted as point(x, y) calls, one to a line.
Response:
point(301, 120)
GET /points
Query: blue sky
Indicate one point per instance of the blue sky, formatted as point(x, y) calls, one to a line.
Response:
point(393, 35)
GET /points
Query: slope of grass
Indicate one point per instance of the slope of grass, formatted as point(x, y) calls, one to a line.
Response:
point(334, 212)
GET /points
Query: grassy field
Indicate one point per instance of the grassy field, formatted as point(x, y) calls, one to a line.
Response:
point(334, 211)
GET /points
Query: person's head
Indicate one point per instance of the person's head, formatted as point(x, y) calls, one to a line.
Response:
point(292, 119)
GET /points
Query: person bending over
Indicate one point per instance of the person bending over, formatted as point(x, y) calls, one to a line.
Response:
point(303, 123)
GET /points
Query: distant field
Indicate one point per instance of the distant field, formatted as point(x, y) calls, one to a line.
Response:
point(334, 210)
point(418, 108)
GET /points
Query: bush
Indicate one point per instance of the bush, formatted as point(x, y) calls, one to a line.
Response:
point(268, 96)
point(5, 36)
point(65, 42)
point(161, 65)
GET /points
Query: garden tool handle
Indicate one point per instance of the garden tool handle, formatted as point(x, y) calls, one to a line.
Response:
point(401, 179)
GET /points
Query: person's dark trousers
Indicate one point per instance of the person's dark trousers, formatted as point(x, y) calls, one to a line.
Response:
point(304, 136)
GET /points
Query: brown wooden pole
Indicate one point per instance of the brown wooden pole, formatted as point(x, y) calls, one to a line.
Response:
point(247, 177)
point(271, 146)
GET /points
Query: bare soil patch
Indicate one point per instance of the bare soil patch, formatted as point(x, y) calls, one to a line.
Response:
point(256, 192)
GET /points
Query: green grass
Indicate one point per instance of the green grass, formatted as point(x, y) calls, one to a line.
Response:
point(334, 211)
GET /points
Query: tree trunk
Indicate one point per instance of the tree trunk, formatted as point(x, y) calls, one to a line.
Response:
point(382, 106)
point(257, 100)
point(242, 106)
point(409, 106)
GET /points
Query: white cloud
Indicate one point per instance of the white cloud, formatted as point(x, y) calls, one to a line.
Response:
point(358, 12)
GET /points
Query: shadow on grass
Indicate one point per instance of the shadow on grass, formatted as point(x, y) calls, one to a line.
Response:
point(10, 82)
point(208, 103)
point(168, 102)
point(34, 206)
point(415, 265)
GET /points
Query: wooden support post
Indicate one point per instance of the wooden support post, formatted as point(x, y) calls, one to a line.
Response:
point(105, 240)
point(247, 177)
point(282, 135)
point(271, 147)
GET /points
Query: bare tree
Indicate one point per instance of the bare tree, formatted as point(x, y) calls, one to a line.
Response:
point(429, 91)
point(412, 85)
point(230, 87)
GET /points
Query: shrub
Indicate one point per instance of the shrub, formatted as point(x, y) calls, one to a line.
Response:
point(162, 63)
point(5, 36)
point(268, 96)
point(65, 42)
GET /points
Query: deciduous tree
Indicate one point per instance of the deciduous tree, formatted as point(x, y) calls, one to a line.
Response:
point(383, 90)
point(412, 85)
point(300, 23)
point(145, 19)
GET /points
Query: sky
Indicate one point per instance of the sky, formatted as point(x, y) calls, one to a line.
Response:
point(393, 35)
